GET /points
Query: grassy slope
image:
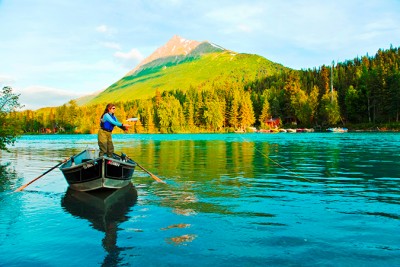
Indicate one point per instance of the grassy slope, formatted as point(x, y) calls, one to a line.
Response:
point(181, 76)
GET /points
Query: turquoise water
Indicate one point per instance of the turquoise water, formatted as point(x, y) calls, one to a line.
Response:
point(303, 199)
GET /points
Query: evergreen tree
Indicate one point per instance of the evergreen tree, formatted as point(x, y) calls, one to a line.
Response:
point(394, 96)
point(170, 115)
point(266, 111)
point(302, 110)
point(214, 115)
point(147, 115)
point(330, 108)
point(246, 113)
point(354, 105)
point(189, 115)
point(233, 109)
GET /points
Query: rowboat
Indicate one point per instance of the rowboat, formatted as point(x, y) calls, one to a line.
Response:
point(87, 171)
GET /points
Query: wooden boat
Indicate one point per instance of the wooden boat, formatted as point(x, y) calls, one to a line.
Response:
point(87, 171)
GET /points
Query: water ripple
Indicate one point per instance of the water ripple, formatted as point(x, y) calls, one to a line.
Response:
point(230, 200)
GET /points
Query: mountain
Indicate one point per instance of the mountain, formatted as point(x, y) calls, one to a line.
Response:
point(182, 64)
point(176, 46)
point(84, 99)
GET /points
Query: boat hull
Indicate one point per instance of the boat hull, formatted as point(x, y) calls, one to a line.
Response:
point(84, 172)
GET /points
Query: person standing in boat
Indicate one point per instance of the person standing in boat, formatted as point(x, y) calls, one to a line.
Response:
point(107, 123)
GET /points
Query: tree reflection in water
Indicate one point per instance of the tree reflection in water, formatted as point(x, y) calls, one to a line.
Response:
point(105, 210)
point(8, 177)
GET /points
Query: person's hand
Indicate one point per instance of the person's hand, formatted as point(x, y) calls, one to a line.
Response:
point(125, 126)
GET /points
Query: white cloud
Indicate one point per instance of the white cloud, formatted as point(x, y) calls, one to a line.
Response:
point(35, 97)
point(111, 45)
point(91, 51)
point(102, 28)
point(237, 19)
point(129, 59)
point(236, 13)
point(244, 28)
point(133, 54)
point(6, 80)
point(105, 29)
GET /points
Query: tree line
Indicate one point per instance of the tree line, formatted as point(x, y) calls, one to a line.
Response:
point(364, 90)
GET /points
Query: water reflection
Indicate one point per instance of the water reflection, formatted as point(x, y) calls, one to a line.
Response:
point(105, 210)
point(8, 177)
point(229, 200)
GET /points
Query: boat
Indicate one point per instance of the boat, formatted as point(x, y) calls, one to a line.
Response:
point(337, 130)
point(86, 171)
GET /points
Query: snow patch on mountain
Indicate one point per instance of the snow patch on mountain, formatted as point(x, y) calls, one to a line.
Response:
point(217, 46)
point(175, 47)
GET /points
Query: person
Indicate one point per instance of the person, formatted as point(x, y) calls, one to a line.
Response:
point(107, 123)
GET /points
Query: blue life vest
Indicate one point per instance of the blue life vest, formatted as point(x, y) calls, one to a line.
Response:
point(107, 126)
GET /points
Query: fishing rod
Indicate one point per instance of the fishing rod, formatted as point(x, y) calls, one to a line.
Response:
point(277, 163)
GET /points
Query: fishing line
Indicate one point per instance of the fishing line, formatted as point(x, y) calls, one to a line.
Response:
point(276, 162)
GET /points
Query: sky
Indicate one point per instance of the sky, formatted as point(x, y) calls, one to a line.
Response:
point(53, 51)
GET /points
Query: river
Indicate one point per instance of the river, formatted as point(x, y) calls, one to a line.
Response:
point(301, 199)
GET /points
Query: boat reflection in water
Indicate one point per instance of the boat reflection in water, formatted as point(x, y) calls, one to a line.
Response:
point(105, 209)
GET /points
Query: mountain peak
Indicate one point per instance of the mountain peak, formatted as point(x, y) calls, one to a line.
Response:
point(176, 46)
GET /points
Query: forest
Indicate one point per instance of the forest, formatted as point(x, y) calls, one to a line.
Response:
point(361, 93)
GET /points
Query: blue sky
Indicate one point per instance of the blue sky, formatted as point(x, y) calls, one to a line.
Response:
point(52, 51)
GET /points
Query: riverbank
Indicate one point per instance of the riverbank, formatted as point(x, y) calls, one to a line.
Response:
point(362, 127)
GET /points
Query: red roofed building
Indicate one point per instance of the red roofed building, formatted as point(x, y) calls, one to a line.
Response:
point(273, 123)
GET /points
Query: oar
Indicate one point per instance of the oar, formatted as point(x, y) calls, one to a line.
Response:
point(152, 175)
point(37, 178)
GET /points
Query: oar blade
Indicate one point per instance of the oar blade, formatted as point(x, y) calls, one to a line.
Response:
point(157, 179)
point(37, 178)
point(151, 174)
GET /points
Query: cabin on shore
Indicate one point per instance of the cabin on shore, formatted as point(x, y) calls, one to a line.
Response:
point(273, 123)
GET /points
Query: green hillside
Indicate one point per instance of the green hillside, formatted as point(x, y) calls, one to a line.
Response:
point(226, 92)
point(196, 70)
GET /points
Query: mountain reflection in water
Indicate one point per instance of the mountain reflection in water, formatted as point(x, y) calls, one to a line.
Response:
point(105, 210)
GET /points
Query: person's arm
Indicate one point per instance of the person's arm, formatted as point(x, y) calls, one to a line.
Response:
point(115, 122)
point(110, 119)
